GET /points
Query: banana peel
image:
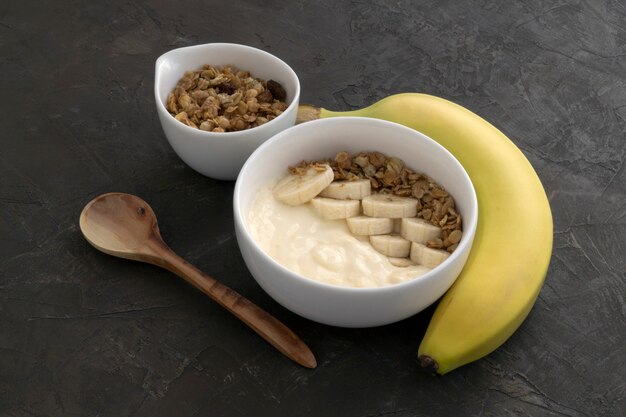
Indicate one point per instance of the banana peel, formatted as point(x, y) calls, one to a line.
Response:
point(512, 248)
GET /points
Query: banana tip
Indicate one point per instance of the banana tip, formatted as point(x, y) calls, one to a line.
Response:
point(428, 364)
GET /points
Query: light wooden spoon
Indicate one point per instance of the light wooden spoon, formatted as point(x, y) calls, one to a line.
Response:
point(125, 226)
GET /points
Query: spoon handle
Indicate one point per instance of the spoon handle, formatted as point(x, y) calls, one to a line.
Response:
point(266, 325)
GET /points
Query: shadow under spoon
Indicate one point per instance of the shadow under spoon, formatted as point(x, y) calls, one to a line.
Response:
point(125, 226)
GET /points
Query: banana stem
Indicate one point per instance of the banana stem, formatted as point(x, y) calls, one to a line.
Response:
point(306, 113)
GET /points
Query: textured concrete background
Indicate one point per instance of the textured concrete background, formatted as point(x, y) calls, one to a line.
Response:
point(83, 334)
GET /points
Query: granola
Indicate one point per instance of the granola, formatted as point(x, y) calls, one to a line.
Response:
point(389, 175)
point(225, 99)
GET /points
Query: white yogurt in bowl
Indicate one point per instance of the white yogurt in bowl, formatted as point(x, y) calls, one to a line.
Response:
point(323, 250)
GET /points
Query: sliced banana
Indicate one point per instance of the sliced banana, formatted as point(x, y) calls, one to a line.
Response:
point(428, 257)
point(367, 226)
point(401, 262)
point(332, 209)
point(348, 190)
point(397, 225)
point(391, 245)
point(419, 230)
point(299, 189)
point(389, 205)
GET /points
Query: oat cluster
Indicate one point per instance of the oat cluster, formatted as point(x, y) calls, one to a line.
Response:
point(390, 175)
point(217, 99)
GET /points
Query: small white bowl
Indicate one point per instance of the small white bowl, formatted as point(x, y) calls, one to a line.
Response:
point(221, 155)
point(344, 306)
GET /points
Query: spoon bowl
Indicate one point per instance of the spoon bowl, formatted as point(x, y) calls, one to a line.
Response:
point(120, 225)
point(125, 226)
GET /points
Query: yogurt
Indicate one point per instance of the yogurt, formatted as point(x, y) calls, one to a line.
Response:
point(322, 250)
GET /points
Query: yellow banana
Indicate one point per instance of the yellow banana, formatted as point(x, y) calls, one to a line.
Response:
point(513, 244)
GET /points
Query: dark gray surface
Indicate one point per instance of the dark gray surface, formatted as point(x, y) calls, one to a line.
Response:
point(83, 334)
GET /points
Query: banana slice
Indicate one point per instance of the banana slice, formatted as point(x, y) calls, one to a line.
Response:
point(332, 209)
point(348, 190)
point(389, 205)
point(299, 189)
point(391, 245)
point(401, 262)
point(397, 225)
point(419, 230)
point(367, 226)
point(428, 257)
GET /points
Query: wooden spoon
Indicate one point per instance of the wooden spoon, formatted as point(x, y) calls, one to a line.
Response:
point(125, 226)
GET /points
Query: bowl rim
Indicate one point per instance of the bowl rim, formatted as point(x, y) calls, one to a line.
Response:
point(161, 106)
point(468, 230)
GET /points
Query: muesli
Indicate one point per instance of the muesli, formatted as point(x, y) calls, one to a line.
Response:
point(225, 99)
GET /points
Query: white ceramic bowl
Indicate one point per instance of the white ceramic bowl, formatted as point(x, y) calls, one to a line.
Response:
point(343, 306)
point(221, 155)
